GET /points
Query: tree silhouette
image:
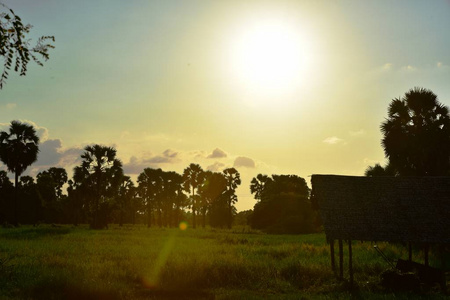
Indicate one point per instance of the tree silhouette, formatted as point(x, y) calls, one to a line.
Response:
point(284, 206)
point(75, 197)
point(49, 187)
point(6, 193)
point(233, 179)
point(31, 204)
point(211, 193)
point(149, 185)
point(378, 170)
point(257, 185)
point(18, 150)
point(124, 198)
point(101, 171)
point(193, 177)
point(416, 134)
point(172, 188)
point(14, 45)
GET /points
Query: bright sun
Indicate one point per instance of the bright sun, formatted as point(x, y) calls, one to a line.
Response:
point(268, 58)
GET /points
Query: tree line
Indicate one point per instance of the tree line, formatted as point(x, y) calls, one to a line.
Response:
point(416, 142)
point(100, 193)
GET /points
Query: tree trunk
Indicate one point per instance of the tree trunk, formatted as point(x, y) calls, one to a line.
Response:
point(204, 217)
point(229, 214)
point(149, 214)
point(193, 208)
point(16, 199)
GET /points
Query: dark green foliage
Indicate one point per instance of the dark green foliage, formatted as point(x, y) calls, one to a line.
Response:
point(49, 188)
point(19, 147)
point(416, 135)
point(193, 177)
point(18, 150)
point(15, 47)
point(162, 194)
point(6, 197)
point(98, 178)
point(378, 170)
point(219, 212)
point(233, 179)
point(284, 206)
point(30, 209)
point(243, 218)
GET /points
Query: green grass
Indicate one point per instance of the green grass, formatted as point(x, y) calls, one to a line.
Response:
point(134, 262)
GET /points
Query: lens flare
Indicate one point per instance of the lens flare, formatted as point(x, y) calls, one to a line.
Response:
point(183, 226)
point(152, 279)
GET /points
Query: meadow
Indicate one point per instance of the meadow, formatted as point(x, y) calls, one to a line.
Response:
point(135, 262)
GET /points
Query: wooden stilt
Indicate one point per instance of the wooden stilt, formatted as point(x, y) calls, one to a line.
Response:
point(333, 262)
point(341, 260)
point(350, 262)
point(409, 251)
point(426, 248)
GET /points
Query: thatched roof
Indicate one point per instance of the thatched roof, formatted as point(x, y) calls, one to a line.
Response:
point(400, 209)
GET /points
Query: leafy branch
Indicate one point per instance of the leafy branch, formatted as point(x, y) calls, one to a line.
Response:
point(15, 47)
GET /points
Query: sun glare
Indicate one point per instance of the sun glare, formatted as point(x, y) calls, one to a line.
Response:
point(269, 58)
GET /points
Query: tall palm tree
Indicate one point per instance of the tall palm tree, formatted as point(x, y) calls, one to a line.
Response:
point(214, 187)
point(150, 183)
point(102, 170)
point(233, 180)
point(124, 197)
point(18, 150)
point(193, 177)
point(416, 134)
point(172, 182)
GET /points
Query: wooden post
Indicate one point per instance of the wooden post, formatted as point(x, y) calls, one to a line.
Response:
point(350, 262)
point(341, 260)
point(409, 251)
point(333, 262)
point(426, 248)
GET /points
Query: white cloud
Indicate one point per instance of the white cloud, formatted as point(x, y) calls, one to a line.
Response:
point(332, 140)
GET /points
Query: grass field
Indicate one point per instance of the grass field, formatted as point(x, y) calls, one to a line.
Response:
point(134, 262)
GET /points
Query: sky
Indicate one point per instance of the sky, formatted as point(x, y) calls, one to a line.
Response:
point(271, 87)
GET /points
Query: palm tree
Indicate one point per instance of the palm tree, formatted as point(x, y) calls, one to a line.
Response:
point(233, 180)
point(172, 182)
point(103, 172)
point(212, 191)
point(257, 185)
point(150, 183)
point(417, 134)
point(193, 177)
point(124, 197)
point(18, 150)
